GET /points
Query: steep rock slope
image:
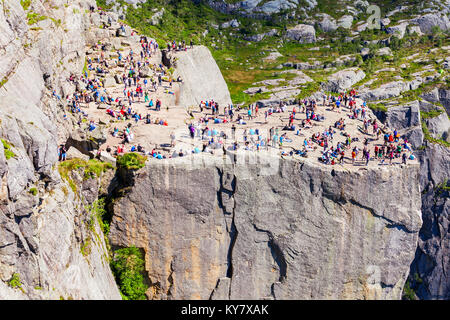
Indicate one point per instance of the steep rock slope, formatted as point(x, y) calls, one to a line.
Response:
point(275, 229)
point(429, 270)
point(42, 221)
point(432, 264)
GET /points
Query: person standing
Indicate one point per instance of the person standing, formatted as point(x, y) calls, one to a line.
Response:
point(62, 153)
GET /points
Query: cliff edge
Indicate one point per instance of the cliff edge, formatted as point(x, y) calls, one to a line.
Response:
point(270, 229)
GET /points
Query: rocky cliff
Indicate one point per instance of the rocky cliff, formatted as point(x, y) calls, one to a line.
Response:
point(428, 274)
point(209, 229)
point(431, 265)
point(270, 228)
point(43, 220)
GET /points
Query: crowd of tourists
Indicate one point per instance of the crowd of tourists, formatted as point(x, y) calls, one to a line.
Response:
point(335, 143)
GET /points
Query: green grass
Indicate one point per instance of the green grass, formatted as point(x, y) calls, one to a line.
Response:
point(3, 81)
point(86, 247)
point(131, 161)
point(33, 191)
point(377, 107)
point(7, 149)
point(431, 114)
point(92, 168)
point(127, 265)
point(442, 188)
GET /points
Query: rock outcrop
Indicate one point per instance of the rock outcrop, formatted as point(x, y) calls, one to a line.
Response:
point(406, 119)
point(343, 80)
point(427, 273)
point(431, 263)
point(42, 221)
point(202, 79)
point(270, 229)
point(302, 33)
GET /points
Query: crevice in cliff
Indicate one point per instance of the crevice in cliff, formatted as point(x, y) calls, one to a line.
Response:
point(277, 253)
point(391, 224)
point(233, 232)
point(170, 280)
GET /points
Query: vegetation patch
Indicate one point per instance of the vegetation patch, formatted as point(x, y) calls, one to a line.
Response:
point(86, 247)
point(25, 4)
point(34, 18)
point(131, 161)
point(92, 168)
point(127, 265)
point(7, 147)
point(431, 114)
point(15, 282)
point(428, 137)
point(442, 187)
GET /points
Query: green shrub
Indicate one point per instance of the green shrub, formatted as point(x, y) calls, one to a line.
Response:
point(98, 209)
point(86, 247)
point(8, 153)
point(131, 161)
point(3, 81)
point(34, 17)
point(25, 4)
point(14, 282)
point(128, 268)
point(408, 292)
point(33, 191)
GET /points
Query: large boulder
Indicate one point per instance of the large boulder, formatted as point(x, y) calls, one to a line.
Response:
point(73, 153)
point(385, 91)
point(398, 30)
point(345, 21)
point(145, 72)
point(275, 6)
point(385, 51)
point(444, 98)
point(439, 127)
point(327, 24)
point(233, 24)
point(406, 119)
point(403, 117)
point(109, 81)
point(431, 96)
point(192, 66)
point(302, 33)
point(429, 21)
point(343, 80)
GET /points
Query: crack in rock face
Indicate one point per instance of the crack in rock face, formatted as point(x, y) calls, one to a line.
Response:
point(229, 232)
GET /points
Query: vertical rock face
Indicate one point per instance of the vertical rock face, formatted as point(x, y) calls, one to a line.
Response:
point(431, 264)
point(42, 222)
point(246, 231)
